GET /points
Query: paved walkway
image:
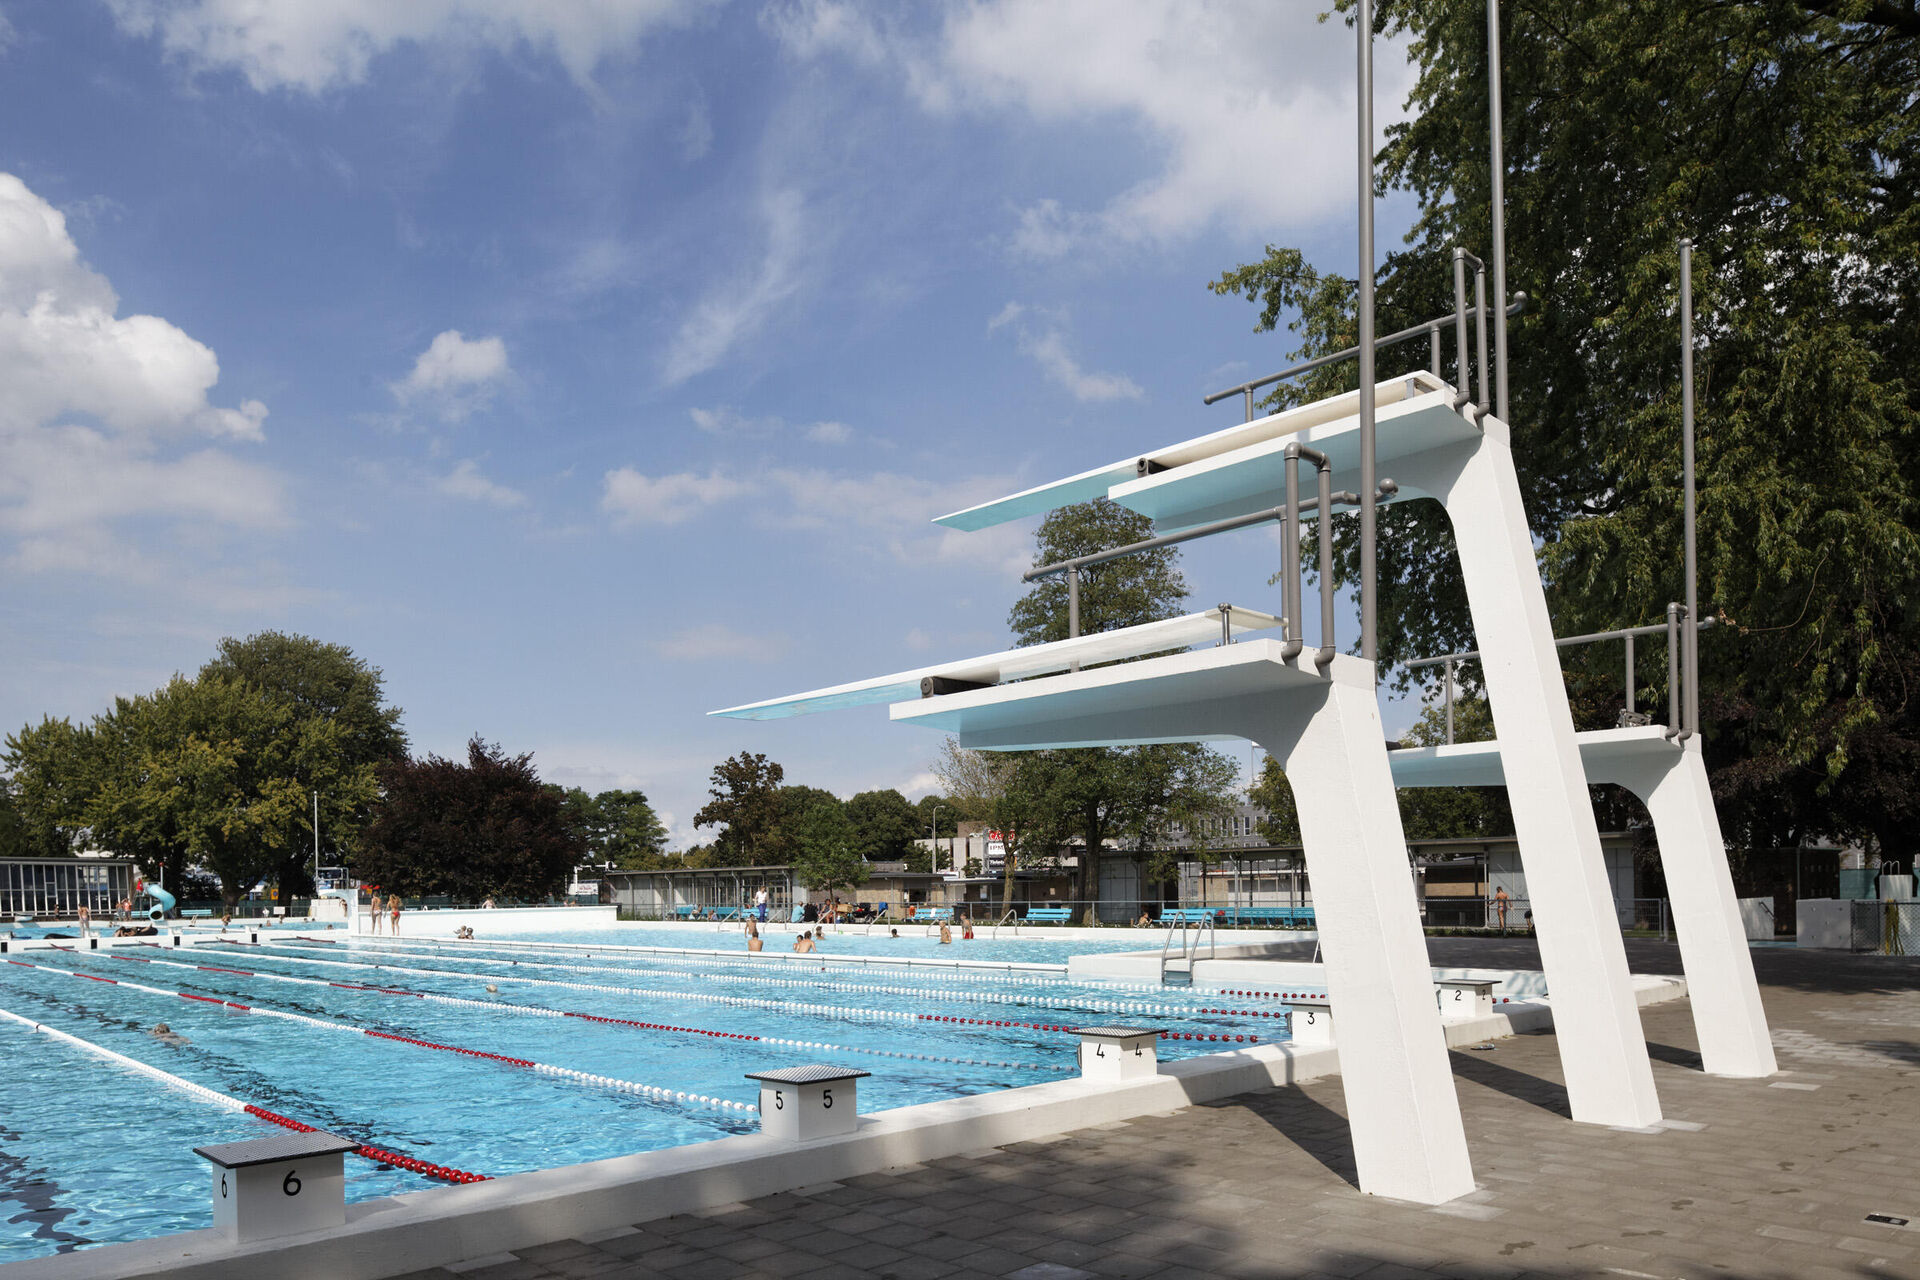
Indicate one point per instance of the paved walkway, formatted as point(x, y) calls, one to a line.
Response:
point(1751, 1179)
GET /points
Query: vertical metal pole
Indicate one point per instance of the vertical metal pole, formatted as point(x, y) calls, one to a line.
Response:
point(1449, 697)
point(1629, 674)
point(1249, 395)
point(1480, 333)
point(1290, 557)
point(1674, 727)
point(1463, 375)
point(1369, 581)
point(1073, 606)
point(316, 848)
point(1499, 171)
point(1692, 639)
point(1327, 650)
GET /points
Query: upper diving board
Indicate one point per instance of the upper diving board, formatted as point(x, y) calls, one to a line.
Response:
point(1014, 664)
point(1412, 414)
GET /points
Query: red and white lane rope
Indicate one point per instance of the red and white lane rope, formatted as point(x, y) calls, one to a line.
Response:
point(654, 1092)
point(231, 1103)
point(864, 988)
point(540, 1011)
point(1004, 971)
point(742, 1001)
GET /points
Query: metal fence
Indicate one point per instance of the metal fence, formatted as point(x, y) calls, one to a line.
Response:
point(1890, 928)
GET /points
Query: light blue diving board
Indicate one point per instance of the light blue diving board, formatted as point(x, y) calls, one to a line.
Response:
point(1323, 419)
point(1016, 664)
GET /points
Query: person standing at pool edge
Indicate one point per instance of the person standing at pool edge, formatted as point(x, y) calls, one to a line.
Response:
point(1501, 900)
point(760, 903)
point(393, 906)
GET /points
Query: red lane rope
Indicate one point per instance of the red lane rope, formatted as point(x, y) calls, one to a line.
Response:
point(378, 1154)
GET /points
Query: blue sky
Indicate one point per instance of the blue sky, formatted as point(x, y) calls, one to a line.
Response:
point(590, 364)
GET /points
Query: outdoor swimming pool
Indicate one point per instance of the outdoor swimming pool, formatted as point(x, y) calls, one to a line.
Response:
point(575, 1053)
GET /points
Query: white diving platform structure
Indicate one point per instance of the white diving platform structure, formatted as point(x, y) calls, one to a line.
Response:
point(1316, 712)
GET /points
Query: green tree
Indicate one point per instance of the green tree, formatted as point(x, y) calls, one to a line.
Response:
point(825, 857)
point(329, 684)
point(212, 772)
point(485, 827)
point(50, 767)
point(747, 806)
point(629, 833)
point(884, 825)
point(1781, 135)
point(1091, 795)
point(1120, 593)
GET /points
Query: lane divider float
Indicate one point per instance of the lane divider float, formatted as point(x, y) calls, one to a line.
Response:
point(215, 1097)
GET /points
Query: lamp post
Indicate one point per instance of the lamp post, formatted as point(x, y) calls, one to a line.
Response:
point(933, 839)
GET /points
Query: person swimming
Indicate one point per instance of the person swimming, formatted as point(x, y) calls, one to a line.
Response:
point(166, 1034)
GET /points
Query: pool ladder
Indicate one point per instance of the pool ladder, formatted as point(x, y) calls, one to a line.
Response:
point(1176, 968)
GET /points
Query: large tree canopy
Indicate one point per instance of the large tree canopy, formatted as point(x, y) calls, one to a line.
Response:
point(1781, 136)
point(320, 683)
point(485, 827)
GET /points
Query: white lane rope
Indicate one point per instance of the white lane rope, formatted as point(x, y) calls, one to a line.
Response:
point(654, 1092)
point(539, 1011)
point(923, 993)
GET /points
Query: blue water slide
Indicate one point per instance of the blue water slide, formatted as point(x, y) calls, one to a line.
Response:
point(164, 902)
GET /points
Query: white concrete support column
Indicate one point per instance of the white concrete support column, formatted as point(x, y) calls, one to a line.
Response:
point(1727, 1014)
point(1603, 1049)
point(1408, 1140)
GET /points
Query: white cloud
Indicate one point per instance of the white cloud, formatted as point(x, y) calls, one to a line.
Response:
point(315, 45)
point(94, 407)
point(1042, 336)
point(455, 375)
point(713, 641)
point(830, 433)
point(728, 422)
point(631, 497)
point(465, 481)
point(1244, 108)
point(737, 308)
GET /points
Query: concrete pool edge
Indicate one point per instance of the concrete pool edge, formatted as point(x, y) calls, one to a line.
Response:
point(397, 1234)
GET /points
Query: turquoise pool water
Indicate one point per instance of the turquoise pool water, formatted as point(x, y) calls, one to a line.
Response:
point(93, 1152)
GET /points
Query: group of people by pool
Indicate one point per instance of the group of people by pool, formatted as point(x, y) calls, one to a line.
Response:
point(391, 909)
point(809, 939)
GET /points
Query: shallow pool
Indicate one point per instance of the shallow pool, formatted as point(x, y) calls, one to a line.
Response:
point(493, 1059)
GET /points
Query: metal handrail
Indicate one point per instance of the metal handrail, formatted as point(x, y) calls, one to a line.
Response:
point(1433, 328)
point(1677, 728)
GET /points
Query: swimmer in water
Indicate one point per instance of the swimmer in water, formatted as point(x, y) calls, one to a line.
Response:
point(946, 934)
point(166, 1034)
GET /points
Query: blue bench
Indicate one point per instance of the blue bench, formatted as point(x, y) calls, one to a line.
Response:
point(1188, 915)
point(1272, 915)
point(930, 915)
point(1050, 915)
point(202, 913)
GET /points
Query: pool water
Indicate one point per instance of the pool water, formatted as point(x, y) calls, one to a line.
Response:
point(93, 1152)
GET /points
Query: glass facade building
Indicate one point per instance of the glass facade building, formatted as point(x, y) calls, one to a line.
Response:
point(48, 887)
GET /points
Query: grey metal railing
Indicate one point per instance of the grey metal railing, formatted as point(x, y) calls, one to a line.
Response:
point(1432, 329)
point(1680, 710)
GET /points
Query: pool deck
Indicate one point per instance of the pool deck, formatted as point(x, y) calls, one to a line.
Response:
point(1748, 1178)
